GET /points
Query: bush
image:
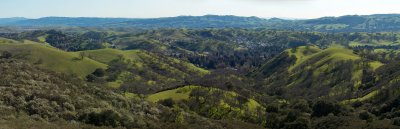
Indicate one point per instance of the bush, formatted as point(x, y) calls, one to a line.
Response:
point(104, 118)
point(99, 72)
point(273, 121)
point(365, 116)
point(357, 104)
point(6, 55)
point(272, 108)
point(323, 108)
point(91, 78)
point(396, 121)
point(167, 102)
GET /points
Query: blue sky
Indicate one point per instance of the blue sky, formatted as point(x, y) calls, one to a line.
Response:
point(168, 8)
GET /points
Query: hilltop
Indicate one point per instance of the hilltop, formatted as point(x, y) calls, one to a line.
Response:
point(143, 72)
point(51, 58)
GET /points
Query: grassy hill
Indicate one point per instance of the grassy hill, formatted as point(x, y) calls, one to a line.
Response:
point(210, 102)
point(51, 58)
point(309, 71)
point(183, 93)
point(153, 72)
point(139, 57)
point(35, 98)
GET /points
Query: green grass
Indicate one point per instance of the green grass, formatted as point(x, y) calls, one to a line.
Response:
point(108, 54)
point(183, 93)
point(302, 53)
point(115, 84)
point(331, 54)
point(138, 57)
point(175, 94)
point(42, 39)
point(334, 54)
point(51, 58)
point(131, 95)
point(322, 61)
point(373, 43)
point(363, 98)
point(375, 64)
point(144, 61)
point(4, 40)
point(253, 105)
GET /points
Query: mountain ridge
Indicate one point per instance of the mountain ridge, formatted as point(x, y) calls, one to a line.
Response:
point(346, 23)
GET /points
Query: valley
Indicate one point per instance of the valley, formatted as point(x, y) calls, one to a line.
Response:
point(222, 77)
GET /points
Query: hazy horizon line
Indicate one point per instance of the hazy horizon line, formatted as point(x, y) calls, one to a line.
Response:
point(294, 18)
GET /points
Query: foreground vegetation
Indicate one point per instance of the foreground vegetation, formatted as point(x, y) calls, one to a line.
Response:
point(203, 78)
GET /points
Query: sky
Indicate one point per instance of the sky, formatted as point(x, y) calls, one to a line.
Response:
point(170, 8)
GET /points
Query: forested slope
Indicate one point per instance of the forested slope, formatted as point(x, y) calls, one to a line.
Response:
point(199, 78)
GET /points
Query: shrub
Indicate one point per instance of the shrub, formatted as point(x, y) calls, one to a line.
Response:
point(104, 118)
point(167, 102)
point(6, 55)
point(323, 108)
point(365, 116)
point(272, 108)
point(396, 121)
point(90, 78)
point(99, 72)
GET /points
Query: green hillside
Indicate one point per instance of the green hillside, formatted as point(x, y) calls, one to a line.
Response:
point(329, 55)
point(302, 53)
point(184, 93)
point(199, 78)
point(210, 102)
point(309, 71)
point(31, 97)
point(155, 72)
point(139, 57)
point(177, 94)
point(51, 58)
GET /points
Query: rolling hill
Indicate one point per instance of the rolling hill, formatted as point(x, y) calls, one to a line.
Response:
point(154, 72)
point(211, 102)
point(312, 72)
point(348, 23)
point(31, 97)
point(51, 58)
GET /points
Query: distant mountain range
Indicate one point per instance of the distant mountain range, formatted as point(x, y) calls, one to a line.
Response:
point(348, 23)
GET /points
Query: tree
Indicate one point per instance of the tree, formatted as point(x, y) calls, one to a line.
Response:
point(167, 102)
point(396, 121)
point(82, 55)
point(6, 55)
point(99, 72)
point(365, 115)
point(120, 57)
point(324, 107)
point(90, 78)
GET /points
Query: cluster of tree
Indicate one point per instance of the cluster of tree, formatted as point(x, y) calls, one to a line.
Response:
point(208, 48)
point(249, 62)
point(219, 105)
point(150, 74)
point(387, 55)
point(238, 48)
point(68, 41)
point(50, 98)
